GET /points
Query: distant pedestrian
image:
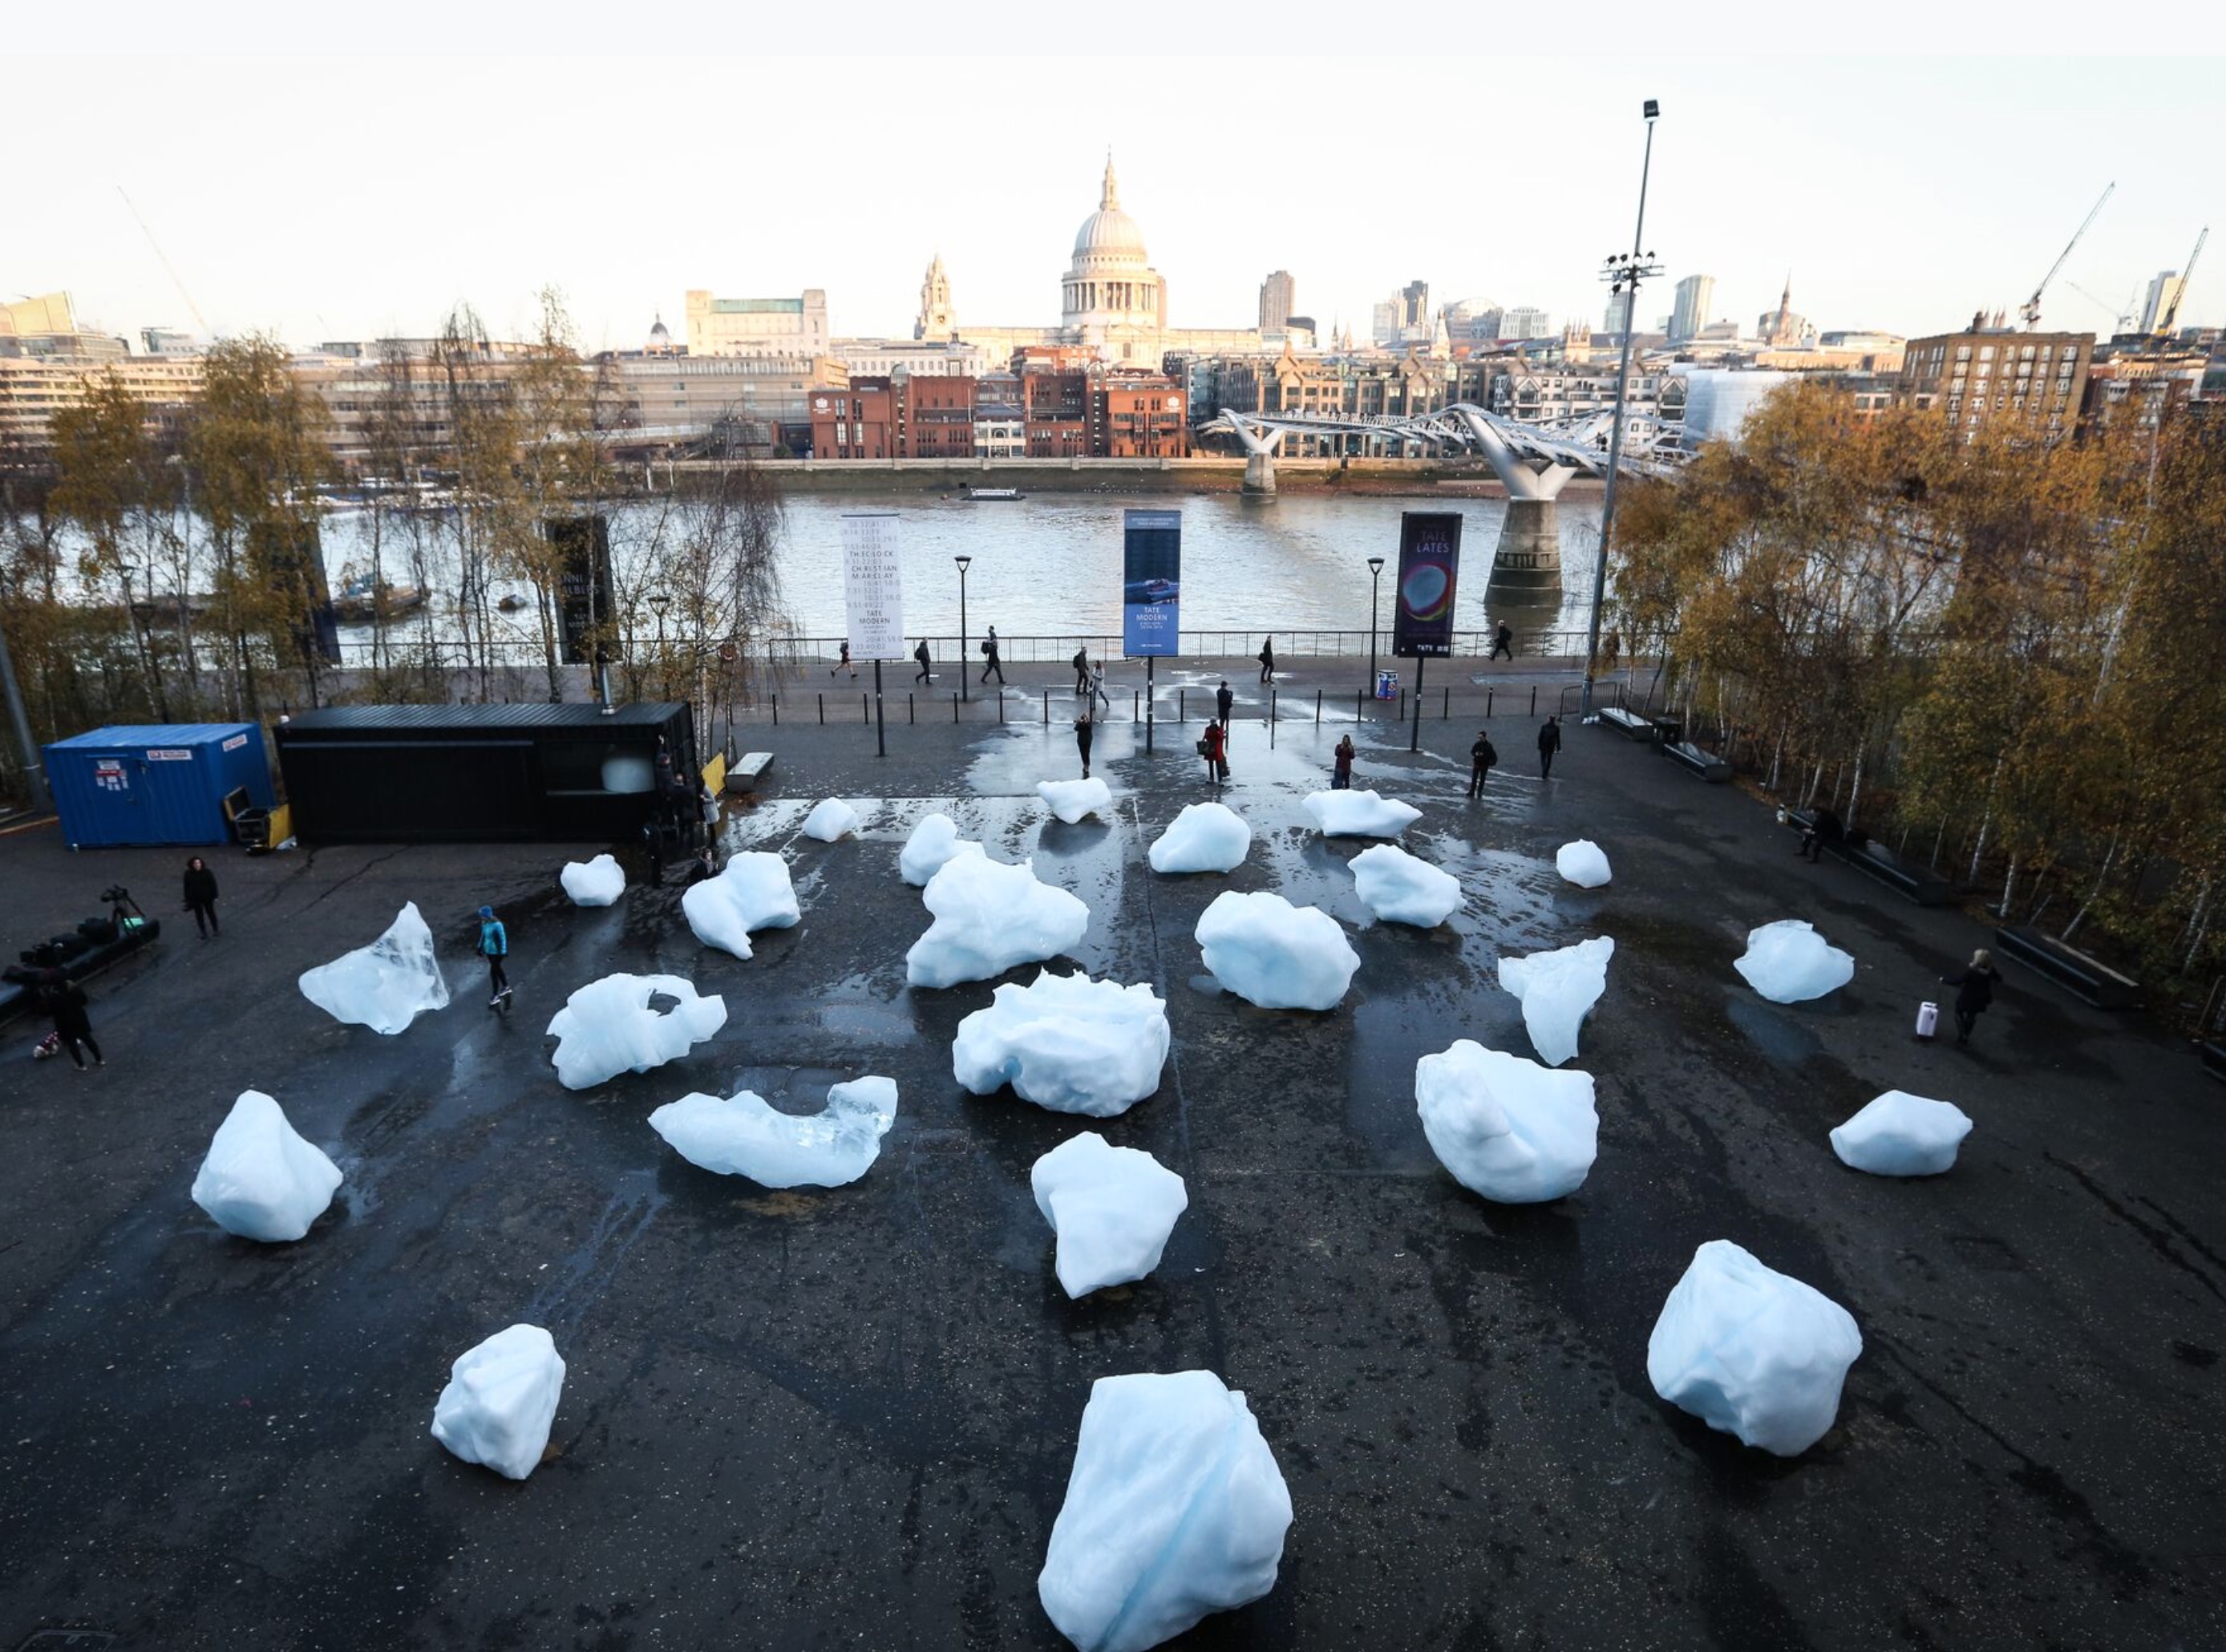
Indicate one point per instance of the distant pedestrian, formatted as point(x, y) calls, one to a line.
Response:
point(1503, 642)
point(1549, 741)
point(989, 663)
point(1974, 991)
point(200, 896)
point(1221, 701)
point(1481, 757)
point(494, 947)
point(1612, 649)
point(926, 659)
point(1215, 749)
point(1268, 660)
point(1340, 772)
point(1824, 830)
point(1098, 695)
point(1081, 663)
point(843, 662)
point(1085, 731)
point(65, 1002)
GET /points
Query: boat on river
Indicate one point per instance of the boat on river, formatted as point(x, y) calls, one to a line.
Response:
point(988, 494)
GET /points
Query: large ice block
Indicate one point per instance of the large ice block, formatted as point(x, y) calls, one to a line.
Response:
point(751, 892)
point(1401, 888)
point(1275, 955)
point(1070, 800)
point(988, 917)
point(744, 1135)
point(1788, 963)
point(260, 1179)
point(1205, 837)
point(934, 841)
point(1066, 1043)
point(832, 819)
point(608, 1028)
point(1508, 1128)
point(1901, 1135)
point(1174, 1509)
point(598, 882)
point(1360, 814)
point(501, 1400)
point(1558, 990)
point(1583, 863)
point(383, 986)
point(1111, 1207)
point(1751, 1352)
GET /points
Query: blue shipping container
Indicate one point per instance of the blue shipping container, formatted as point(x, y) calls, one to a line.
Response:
point(155, 782)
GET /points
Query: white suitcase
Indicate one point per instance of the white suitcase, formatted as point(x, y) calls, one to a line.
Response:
point(1927, 1020)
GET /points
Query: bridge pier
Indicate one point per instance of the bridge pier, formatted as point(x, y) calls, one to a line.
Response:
point(1529, 556)
point(1260, 472)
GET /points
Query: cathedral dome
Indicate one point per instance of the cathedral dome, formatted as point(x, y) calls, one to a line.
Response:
point(1108, 232)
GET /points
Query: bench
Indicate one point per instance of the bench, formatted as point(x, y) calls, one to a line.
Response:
point(744, 776)
point(2214, 1058)
point(1706, 765)
point(1628, 722)
point(2085, 978)
point(1920, 883)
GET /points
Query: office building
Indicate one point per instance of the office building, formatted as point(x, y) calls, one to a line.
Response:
point(1615, 321)
point(1278, 296)
point(2162, 298)
point(1992, 374)
point(758, 326)
point(1696, 295)
point(1525, 322)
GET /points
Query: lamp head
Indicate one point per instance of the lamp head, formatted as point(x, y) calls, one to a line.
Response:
point(1376, 564)
point(1653, 108)
point(961, 562)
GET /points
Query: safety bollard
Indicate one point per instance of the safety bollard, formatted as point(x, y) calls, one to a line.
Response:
point(1359, 706)
point(1271, 720)
point(954, 708)
point(910, 714)
point(776, 711)
point(1046, 697)
point(1000, 703)
point(1318, 693)
point(1534, 699)
point(865, 708)
point(1446, 709)
point(1487, 705)
point(1132, 703)
point(1182, 708)
point(822, 698)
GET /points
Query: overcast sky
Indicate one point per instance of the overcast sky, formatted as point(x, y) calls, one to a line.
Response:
point(333, 195)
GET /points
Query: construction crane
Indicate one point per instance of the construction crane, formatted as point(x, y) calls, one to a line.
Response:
point(2029, 312)
point(2125, 315)
point(168, 269)
point(2170, 311)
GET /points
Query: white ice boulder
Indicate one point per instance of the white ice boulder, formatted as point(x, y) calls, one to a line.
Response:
point(1401, 888)
point(598, 882)
point(1902, 1134)
point(989, 917)
point(1558, 990)
point(1360, 814)
point(607, 1026)
point(1111, 1207)
point(500, 1400)
point(745, 1135)
point(1205, 837)
point(1174, 1509)
point(833, 818)
point(1070, 800)
point(1066, 1043)
point(1508, 1128)
point(260, 1179)
point(1749, 1351)
point(934, 841)
point(384, 985)
point(751, 892)
point(1789, 963)
point(1583, 863)
point(1273, 954)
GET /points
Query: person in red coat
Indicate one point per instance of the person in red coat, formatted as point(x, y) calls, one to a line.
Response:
point(1216, 753)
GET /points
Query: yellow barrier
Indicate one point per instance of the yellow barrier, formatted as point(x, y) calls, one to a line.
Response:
point(282, 823)
point(715, 774)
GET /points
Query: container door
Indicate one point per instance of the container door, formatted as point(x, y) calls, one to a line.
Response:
point(173, 783)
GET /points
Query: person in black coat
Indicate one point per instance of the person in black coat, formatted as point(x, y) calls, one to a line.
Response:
point(200, 896)
point(1223, 700)
point(65, 1003)
point(926, 659)
point(989, 661)
point(1085, 731)
point(1549, 741)
point(1268, 660)
point(1481, 757)
point(1823, 828)
point(1974, 991)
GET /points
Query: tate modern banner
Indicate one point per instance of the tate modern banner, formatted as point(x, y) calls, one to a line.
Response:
point(873, 586)
point(1151, 582)
point(1429, 566)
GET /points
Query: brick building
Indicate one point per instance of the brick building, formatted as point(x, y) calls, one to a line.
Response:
point(1991, 374)
point(1056, 406)
point(935, 417)
point(1138, 416)
point(860, 423)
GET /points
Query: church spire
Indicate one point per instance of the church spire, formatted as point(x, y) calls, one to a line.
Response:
point(1109, 200)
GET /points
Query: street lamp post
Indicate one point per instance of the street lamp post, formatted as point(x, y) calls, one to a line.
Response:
point(660, 601)
point(1375, 585)
point(1623, 271)
point(964, 660)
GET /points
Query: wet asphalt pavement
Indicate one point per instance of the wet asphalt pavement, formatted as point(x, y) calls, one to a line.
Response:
point(844, 1419)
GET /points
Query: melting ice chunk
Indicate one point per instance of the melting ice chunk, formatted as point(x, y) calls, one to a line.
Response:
point(1205, 837)
point(261, 1180)
point(1402, 889)
point(1275, 955)
point(1111, 1207)
point(1066, 1043)
point(1072, 799)
point(1558, 990)
point(1901, 1135)
point(1174, 1509)
point(751, 892)
point(934, 841)
point(833, 818)
point(988, 917)
point(743, 1136)
point(608, 1028)
point(1583, 863)
point(500, 1400)
point(1360, 814)
point(384, 985)
point(1506, 1127)
point(1749, 1351)
point(598, 882)
point(1788, 963)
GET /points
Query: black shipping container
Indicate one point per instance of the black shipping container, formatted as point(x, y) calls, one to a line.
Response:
point(506, 774)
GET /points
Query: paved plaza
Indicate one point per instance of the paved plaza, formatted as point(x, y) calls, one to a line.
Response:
point(845, 1417)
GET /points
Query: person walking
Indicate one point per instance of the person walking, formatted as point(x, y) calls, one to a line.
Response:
point(1221, 701)
point(1974, 991)
point(1503, 642)
point(989, 663)
point(1610, 649)
point(1085, 731)
point(1481, 757)
point(1549, 741)
point(842, 660)
point(65, 1002)
point(1268, 660)
point(921, 654)
point(1215, 749)
point(1823, 830)
point(200, 896)
point(494, 947)
point(1097, 694)
point(1081, 663)
point(1340, 772)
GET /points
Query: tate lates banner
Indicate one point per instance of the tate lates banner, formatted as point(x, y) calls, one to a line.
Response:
point(873, 586)
point(1429, 568)
point(1151, 582)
